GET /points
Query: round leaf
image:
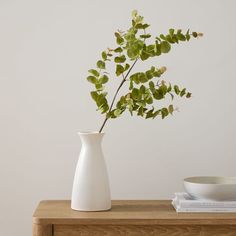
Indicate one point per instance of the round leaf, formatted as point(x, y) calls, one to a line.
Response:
point(92, 79)
point(165, 47)
point(101, 64)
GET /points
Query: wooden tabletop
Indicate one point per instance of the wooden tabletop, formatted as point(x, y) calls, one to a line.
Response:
point(139, 212)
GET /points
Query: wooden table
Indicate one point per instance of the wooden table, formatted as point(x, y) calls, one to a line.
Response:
point(129, 218)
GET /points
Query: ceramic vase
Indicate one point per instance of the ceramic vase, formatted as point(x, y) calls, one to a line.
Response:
point(91, 191)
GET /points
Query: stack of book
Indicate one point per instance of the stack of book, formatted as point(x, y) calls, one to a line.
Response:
point(185, 203)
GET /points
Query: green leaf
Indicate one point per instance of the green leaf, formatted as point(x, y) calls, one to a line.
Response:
point(182, 93)
point(122, 99)
point(94, 72)
point(163, 89)
point(132, 52)
point(101, 100)
point(165, 47)
point(179, 31)
point(110, 115)
point(140, 111)
point(130, 35)
point(152, 69)
point(104, 108)
point(118, 104)
point(104, 55)
point(145, 36)
point(169, 88)
point(188, 95)
point(119, 49)
point(176, 89)
point(169, 39)
point(149, 100)
point(119, 40)
point(171, 32)
point(94, 95)
point(157, 73)
point(135, 78)
point(158, 49)
point(145, 26)
point(144, 55)
point(120, 59)
point(150, 49)
point(127, 66)
point(175, 39)
point(149, 74)
point(164, 112)
point(187, 36)
point(171, 109)
point(142, 77)
point(181, 37)
point(142, 89)
point(157, 95)
point(101, 64)
point(117, 112)
point(135, 93)
point(99, 87)
point(156, 113)
point(131, 85)
point(139, 26)
point(149, 114)
point(162, 36)
point(119, 69)
point(92, 79)
point(104, 79)
point(151, 86)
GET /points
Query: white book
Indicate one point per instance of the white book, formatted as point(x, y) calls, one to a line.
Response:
point(209, 210)
point(184, 200)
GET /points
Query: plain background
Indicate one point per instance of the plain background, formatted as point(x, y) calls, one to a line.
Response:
point(46, 48)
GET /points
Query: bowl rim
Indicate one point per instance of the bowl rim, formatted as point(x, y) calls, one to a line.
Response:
point(190, 180)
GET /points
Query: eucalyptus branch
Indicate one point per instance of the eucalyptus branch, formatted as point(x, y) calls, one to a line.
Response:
point(116, 93)
point(143, 89)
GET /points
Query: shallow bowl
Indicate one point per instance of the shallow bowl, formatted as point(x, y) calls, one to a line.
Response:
point(214, 188)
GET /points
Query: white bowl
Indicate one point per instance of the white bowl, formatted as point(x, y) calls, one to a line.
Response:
point(211, 187)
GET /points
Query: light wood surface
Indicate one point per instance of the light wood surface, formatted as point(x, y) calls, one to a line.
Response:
point(127, 230)
point(157, 217)
point(42, 230)
point(143, 230)
point(126, 212)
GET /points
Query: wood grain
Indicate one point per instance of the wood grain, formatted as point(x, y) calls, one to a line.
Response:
point(129, 218)
point(127, 230)
point(219, 230)
point(142, 230)
point(42, 230)
point(158, 212)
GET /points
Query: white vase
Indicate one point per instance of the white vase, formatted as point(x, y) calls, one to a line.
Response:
point(91, 191)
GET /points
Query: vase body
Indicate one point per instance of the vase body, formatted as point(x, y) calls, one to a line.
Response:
point(91, 191)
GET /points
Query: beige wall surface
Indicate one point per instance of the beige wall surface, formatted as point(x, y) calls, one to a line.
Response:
point(46, 48)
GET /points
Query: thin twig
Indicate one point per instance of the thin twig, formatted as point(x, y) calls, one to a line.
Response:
point(116, 93)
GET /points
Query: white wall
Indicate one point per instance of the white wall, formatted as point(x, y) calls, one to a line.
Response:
point(46, 48)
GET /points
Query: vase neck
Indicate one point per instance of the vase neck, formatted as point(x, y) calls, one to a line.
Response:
point(91, 138)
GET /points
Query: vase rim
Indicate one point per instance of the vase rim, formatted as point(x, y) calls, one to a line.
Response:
point(90, 132)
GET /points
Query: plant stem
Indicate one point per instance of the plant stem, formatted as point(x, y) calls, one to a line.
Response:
point(116, 93)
